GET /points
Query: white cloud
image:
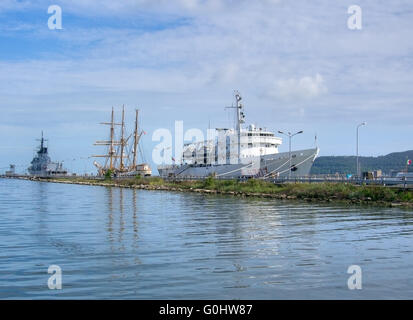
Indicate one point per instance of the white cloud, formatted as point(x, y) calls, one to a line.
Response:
point(304, 88)
point(130, 7)
point(287, 50)
point(6, 5)
point(284, 56)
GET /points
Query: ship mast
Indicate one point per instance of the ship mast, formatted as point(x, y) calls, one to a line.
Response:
point(122, 139)
point(41, 142)
point(135, 141)
point(240, 120)
point(119, 148)
point(111, 143)
point(112, 135)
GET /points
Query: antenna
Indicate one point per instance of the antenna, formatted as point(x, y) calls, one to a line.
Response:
point(42, 140)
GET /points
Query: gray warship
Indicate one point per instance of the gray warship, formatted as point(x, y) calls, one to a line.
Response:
point(42, 165)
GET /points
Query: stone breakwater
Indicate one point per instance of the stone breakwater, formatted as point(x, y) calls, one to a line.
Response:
point(165, 188)
point(278, 195)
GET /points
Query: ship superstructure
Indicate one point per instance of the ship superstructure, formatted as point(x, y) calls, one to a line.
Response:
point(42, 165)
point(240, 151)
point(121, 158)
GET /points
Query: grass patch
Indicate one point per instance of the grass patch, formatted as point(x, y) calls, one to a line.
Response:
point(325, 191)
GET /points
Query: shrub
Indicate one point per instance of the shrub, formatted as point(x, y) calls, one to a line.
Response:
point(209, 182)
point(108, 174)
point(406, 196)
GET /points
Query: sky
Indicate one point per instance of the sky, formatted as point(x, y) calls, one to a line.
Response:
point(297, 65)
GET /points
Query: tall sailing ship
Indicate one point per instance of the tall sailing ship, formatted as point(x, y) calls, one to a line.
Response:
point(241, 152)
point(121, 158)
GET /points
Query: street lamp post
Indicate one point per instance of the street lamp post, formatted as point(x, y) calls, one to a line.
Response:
point(357, 148)
point(289, 135)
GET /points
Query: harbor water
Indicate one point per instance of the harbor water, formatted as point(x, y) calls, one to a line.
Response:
point(114, 243)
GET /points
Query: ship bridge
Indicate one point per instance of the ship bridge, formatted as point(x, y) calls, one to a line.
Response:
point(255, 142)
point(258, 142)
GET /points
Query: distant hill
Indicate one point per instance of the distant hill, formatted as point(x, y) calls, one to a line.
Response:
point(347, 164)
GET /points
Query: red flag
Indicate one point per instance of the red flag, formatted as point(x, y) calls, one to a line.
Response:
point(409, 162)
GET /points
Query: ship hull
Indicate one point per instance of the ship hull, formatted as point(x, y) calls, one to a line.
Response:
point(272, 165)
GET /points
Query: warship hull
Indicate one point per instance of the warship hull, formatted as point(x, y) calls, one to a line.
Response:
point(272, 165)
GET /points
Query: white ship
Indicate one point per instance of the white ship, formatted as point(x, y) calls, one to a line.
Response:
point(241, 152)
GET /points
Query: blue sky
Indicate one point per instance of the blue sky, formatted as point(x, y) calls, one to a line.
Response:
point(296, 63)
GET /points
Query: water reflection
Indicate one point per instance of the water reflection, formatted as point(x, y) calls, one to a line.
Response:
point(122, 220)
point(40, 199)
point(125, 243)
point(135, 221)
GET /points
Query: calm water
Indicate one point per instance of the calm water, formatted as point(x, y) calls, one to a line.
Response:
point(134, 244)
